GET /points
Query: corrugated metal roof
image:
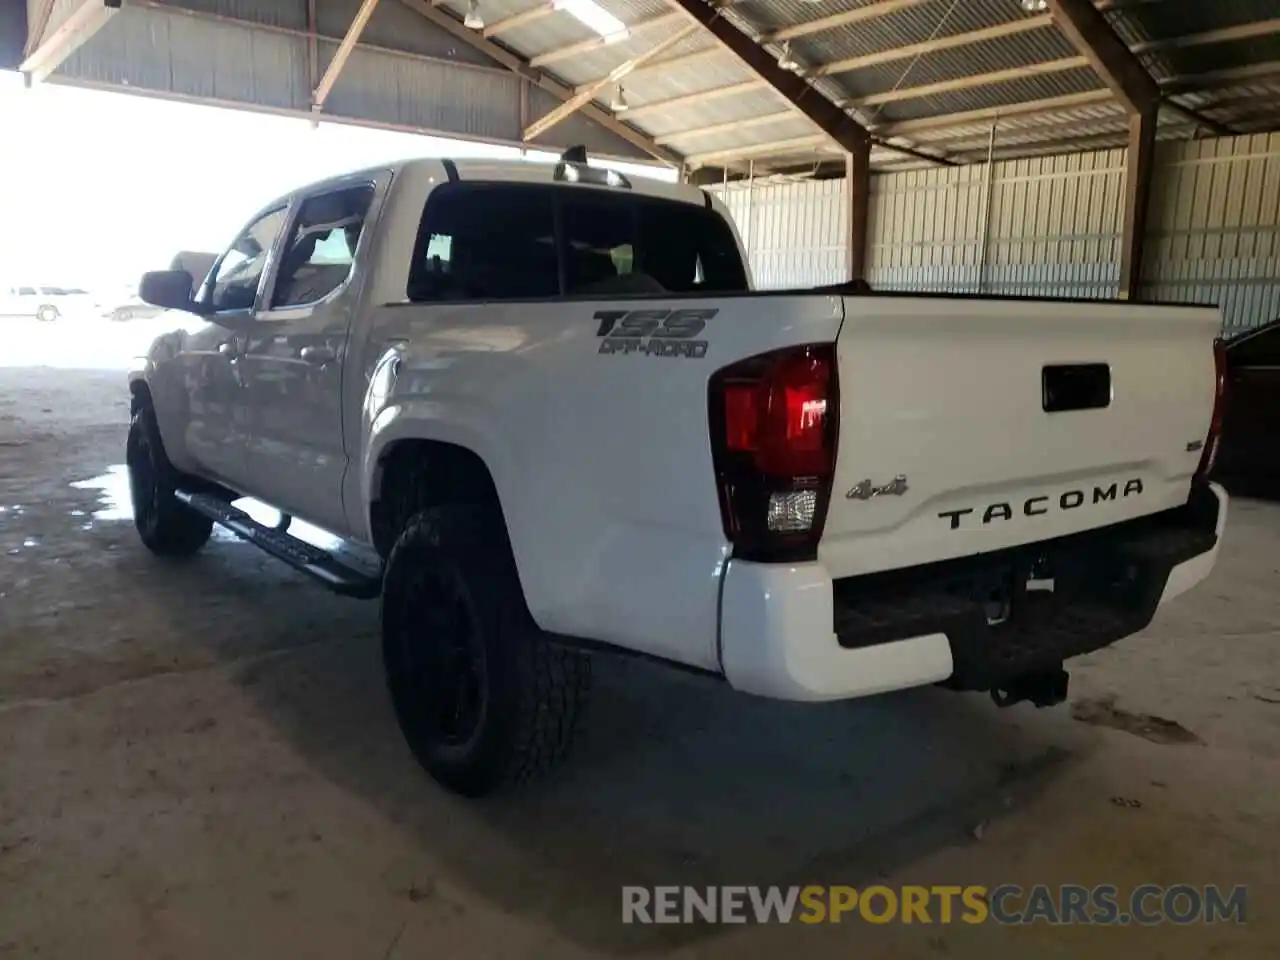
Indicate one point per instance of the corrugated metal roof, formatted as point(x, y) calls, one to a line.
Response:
point(1001, 94)
point(485, 105)
point(1180, 18)
point(1218, 56)
point(1101, 114)
point(740, 107)
point(772, 14)
point(909, 26)
point(788, 128)
point(968, 61)
point(594, 64)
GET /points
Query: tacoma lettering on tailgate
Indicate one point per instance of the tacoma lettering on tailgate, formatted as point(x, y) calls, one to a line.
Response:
point(1039, 506)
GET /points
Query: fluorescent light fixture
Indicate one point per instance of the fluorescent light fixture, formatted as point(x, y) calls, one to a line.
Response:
point(473, 20)
point(596, 17)
point(1035, 6)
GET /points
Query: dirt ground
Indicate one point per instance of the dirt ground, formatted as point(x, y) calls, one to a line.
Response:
point(199, 760)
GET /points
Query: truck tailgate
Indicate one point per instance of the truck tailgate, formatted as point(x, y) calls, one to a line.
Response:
point(971, 425)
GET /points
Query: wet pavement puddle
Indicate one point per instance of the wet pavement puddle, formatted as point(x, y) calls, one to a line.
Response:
point(116, 505)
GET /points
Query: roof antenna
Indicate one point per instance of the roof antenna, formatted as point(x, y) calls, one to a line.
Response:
point(576, 154)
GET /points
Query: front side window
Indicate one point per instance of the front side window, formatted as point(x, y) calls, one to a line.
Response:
point(322, 246)
point(235, 279)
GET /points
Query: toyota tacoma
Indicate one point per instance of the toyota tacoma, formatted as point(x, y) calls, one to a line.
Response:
point(538, 411)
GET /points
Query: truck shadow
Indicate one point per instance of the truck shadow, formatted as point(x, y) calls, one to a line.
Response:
point(676, 781)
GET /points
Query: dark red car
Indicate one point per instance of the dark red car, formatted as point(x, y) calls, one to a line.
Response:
point(1249, 452)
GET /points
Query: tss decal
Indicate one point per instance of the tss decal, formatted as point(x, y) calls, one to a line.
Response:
point(654, 333)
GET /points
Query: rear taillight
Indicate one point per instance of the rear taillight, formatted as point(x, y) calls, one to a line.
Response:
point(1210, 453)
point(774, 422)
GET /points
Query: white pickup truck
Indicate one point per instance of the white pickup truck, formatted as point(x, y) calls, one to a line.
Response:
point(540, 412)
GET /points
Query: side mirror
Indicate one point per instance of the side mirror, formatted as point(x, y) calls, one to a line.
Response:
point(170, 289)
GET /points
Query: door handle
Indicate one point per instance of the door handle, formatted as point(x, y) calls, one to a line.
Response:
point(318, 355)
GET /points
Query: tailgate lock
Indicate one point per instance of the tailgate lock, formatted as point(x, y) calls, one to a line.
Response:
point(865, 489)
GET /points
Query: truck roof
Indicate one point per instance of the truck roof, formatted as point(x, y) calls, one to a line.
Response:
point(509, 171)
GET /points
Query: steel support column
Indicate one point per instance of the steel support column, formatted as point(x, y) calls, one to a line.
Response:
point(1137, 194)
point(857, 174)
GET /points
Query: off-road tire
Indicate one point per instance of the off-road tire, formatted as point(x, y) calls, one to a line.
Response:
point(451, 592)
point(168, 527)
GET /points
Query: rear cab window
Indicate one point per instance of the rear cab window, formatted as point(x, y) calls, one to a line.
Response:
point(1260, 348)
point(491, 241)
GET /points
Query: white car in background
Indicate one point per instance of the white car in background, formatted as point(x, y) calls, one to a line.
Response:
point(45, 303)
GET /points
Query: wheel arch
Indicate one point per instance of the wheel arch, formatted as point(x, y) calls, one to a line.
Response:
point(413, 474)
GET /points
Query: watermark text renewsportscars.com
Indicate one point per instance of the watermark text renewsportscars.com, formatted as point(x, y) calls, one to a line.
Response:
point(1007, 904)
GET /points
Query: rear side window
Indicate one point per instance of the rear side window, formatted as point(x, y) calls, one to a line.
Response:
point(620, 243)
point(518, 242)
point(486, 243)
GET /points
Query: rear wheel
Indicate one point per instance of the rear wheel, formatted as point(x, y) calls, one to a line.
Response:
point(47, 313)
point(483, 697)
point(167, 526)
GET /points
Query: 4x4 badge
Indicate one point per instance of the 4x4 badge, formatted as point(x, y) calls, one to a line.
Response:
point(865, 490)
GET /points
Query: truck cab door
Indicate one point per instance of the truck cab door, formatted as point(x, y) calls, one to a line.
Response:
point(215, 422)
point(292, 365)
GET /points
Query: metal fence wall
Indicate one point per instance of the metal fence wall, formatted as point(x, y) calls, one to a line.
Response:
point(1214, 233)
point(796, 234)
point(1048, 226)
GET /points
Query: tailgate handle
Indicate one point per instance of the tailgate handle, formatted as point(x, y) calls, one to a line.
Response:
point(1075, 386)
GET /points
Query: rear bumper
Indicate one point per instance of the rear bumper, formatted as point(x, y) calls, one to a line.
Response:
point(791, 632)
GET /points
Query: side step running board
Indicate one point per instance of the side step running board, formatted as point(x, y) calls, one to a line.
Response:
point(314, 562)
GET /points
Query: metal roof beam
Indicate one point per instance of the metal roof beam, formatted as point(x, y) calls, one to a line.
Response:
point(585, 94)
point(870, 12)
point(679, 61)
point(518, 19)
point(522, 68)
point(732, 126)
point(1214, 79)
point(702, 96)
point(47, 53)
point(1244, 31)
point(595, 43)
point(814, 142)
point(347, 44)
point(1116, 66)
point(824, 114)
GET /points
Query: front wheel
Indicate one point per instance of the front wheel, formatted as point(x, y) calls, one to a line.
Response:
point(167, 526)
point(483, 697)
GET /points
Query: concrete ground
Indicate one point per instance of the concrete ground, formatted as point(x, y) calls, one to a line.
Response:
point(199, 760)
